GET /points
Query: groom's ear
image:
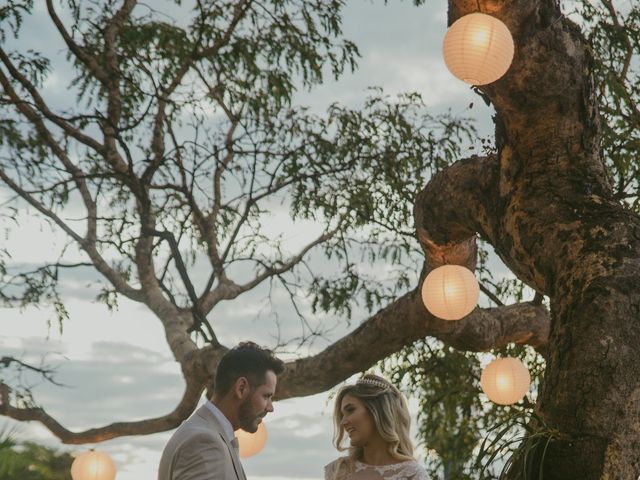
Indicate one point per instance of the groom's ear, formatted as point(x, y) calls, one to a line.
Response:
point(242, 387)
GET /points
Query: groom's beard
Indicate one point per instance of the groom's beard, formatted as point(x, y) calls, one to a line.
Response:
point(247, 418)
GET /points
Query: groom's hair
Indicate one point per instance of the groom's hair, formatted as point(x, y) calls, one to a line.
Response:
point(247, 360)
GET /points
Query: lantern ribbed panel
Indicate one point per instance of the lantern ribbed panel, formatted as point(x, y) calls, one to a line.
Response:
point(252, 443)
point(478, 49)
point(93, 465)
point(505, 380)
point(450, 292)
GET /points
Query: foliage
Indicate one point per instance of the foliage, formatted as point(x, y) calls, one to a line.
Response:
point(31, 461)
point(613, 30)
point(532, 441)
point(454, 415)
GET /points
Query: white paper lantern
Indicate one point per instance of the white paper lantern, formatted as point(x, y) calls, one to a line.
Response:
point(93, 465)
point(505, 380)
point(450, 292)
point(252, 443)
point(478, 49)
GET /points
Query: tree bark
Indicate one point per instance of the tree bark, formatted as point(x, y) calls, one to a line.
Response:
point(545, 205)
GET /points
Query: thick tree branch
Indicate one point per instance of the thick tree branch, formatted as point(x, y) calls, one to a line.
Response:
point(457, 203)
point(403, 322)
point(469, 197)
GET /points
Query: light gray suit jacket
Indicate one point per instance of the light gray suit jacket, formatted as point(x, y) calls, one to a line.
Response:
point(199, 450)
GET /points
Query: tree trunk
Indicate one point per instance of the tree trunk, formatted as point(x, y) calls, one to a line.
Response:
point(546, 206)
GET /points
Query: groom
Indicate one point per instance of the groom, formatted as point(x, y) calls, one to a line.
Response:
point(204, 447)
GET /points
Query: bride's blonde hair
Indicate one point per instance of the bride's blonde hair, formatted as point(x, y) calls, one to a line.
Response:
point(390, 414)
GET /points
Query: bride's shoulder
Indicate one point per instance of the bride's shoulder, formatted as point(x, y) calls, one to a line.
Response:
point(332, 467)
point(417, 470)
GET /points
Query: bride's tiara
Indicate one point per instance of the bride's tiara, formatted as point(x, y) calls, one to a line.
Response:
point(372, 382)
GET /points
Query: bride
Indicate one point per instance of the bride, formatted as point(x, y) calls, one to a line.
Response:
point(374, 415)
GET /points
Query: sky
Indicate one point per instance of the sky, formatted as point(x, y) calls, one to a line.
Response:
point(117, 367)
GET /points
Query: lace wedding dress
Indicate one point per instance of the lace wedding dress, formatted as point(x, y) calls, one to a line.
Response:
point(407, 470)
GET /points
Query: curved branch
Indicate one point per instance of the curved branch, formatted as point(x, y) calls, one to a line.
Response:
point(188, 403)
point(470, 197)
point(404, 322)
point(457, 203)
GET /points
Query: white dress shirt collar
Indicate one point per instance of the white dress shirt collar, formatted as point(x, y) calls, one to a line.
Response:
point(224, 421)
